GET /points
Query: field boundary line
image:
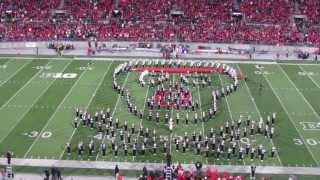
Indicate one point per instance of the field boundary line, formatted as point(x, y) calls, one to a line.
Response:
point(257, 110)
point(290, 118)
point(56, 110)
point(158, 166)
point(15, 72)
point(90, 100)
point(114, 109)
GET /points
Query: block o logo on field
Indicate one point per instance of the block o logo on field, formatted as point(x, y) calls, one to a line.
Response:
point(173, 84)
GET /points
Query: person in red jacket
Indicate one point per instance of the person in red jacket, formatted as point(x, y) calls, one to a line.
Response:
point(208, 173)
point(119, 177)
point(181, 175)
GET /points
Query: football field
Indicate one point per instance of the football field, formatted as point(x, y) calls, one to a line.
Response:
point(38, 98)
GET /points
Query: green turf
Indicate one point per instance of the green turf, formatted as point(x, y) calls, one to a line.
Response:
point(101, 100)
point(285, 130)
point(31, 104)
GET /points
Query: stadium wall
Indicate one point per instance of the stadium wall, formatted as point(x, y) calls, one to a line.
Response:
point(134, 49)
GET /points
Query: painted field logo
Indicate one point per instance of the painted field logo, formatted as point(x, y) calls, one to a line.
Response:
point(310, 125)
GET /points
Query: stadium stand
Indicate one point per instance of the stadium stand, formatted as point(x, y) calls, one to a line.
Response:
point(243, 21)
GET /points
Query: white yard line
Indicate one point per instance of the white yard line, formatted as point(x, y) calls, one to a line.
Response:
point(257, 109)
point(311, 107)
point(229, 110)
point(226, 98)
point(27, 83)
point(53, 115)
point(310, 77)
point(13, 74)
point(171, 113)
point(200, 104)
point(90, 100)
point(289, 115)
point(115, 107)
point(145, 101)
point(29, 107)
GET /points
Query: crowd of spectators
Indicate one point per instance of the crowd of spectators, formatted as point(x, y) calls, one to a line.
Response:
point(179, 173)
point(266, 22)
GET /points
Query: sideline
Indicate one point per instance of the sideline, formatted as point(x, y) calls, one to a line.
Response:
point(152, 166)
point(35, 176)
point(226, 61)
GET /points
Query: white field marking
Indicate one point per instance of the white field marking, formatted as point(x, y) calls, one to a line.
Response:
point(53, 115)
point(90, 100)
point(6, 63)
point(171, 113)
point(315, 113)
point(13, 74)
point(229, 110)
point(27, 83)
point(226, 98)
point(310, 126)
point(115, 107)
point(310, 77)
point(39, 82)
point(29, 107)
point(257, 110)
point(145, 100)
point(289, 115)
point(199, 96)
point(297, 64)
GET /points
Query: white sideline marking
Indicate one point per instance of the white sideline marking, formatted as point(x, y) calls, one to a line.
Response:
point(289, 116)
point(93, 95)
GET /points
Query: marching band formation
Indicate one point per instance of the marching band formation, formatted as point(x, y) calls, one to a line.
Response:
point(225, 141)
